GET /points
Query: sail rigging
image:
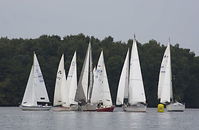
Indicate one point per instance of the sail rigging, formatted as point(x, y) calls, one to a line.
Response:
point(131, 83)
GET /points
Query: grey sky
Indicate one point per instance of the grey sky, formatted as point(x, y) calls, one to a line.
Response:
point(149, 19)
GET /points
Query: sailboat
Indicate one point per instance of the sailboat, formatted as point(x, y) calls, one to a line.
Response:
point(65, 89)
point(165, 90)
point(101, 92)
point(131, 88)
point(35, 97)
point(85, 84)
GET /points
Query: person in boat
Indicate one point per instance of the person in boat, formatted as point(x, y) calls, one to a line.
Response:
point(126, 102)
point(167, 103)
point(81, 103)
point(100, 104)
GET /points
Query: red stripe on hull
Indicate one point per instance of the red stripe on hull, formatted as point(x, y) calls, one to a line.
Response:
point(106, 109)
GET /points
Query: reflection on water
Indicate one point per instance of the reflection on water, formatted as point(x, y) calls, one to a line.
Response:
point(13, 118)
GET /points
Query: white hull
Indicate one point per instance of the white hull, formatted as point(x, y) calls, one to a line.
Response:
point(175, 107)
point(35, 108)
point(71, 108)
point(88, 107)
point(135, 108)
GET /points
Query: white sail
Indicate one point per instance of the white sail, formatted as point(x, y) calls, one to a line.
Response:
point(40, 88)
point(162, 72)
point(35, 89)
point(58, 84)
point(72, 80)
point(29, 98)
point(64, 91)
point(103, 82)
point(123, 83)
point(97, 91)
point(166, 82)
point(136, 87)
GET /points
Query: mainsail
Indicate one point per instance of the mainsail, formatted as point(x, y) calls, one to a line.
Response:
point(165, 81)
point(136, 86)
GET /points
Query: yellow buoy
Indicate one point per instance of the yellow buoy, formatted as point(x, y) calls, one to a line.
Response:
point(160, 107)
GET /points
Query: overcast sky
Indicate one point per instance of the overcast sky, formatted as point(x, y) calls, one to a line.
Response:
point(148, 19)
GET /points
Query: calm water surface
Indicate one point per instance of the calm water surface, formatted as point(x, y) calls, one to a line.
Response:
point(12, 118)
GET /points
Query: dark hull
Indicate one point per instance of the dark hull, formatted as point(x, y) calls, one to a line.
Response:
point(106, 109)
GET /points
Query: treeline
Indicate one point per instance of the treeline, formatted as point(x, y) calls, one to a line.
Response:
point(16, 56)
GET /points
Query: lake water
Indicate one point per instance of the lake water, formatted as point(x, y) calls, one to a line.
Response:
point(12, 118)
